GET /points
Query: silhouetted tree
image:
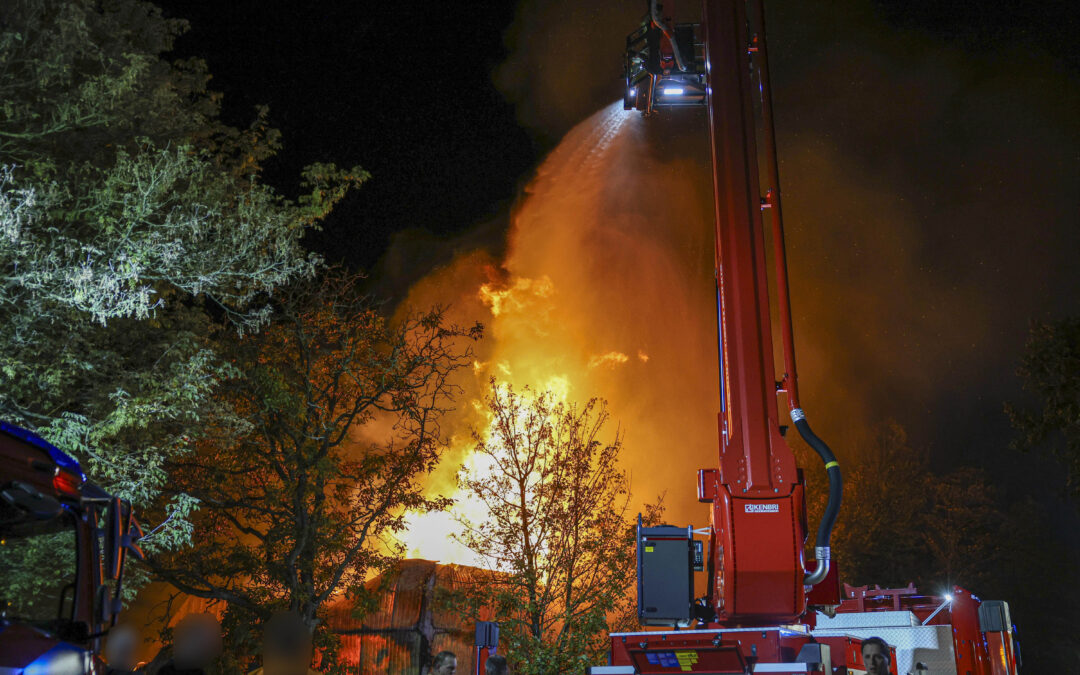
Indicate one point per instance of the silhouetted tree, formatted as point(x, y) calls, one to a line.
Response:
point(1040, 564)
point(1038, 573)
point(1051, 372)
point(964, 529)
point(319, 447)
point(879, 536)
point(902, 522)
point(557, 536)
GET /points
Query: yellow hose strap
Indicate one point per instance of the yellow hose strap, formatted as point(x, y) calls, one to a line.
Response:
point(831, 465)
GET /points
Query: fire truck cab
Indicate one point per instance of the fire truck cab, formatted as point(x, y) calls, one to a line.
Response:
point(63, 541)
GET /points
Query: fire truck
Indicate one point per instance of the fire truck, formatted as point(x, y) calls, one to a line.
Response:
point(63, 542)
point(765, 607)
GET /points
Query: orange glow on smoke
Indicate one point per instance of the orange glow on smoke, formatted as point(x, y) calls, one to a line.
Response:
point(606, 290)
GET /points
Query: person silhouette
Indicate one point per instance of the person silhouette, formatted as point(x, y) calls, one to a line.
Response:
point(287, 648)
point(120, 646)
point(196, 643)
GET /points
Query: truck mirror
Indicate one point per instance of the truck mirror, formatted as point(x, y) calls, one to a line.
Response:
point(122, 532)
point(114, 552)
point(107, 607)
point(102, 606)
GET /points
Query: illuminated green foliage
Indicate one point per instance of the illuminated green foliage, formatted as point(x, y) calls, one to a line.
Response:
point(133, 232)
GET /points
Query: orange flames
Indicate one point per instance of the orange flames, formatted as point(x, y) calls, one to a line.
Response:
point(431, 535)
point(521, 294)
point(606, 290)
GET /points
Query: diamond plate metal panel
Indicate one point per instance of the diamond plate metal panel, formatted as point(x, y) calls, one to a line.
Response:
point(866, 620)
point(929, 645)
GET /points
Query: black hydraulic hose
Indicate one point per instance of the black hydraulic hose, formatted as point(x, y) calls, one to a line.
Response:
point(822, 550)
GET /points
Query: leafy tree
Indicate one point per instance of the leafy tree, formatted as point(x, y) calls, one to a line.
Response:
point(902, 522)
point(964, 529)
point(321, 445)
point(556, 536)
point(879, 535)
point(1051, 372)
point(132, 227)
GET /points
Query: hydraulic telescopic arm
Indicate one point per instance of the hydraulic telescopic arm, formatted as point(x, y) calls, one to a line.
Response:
point(789, 383)
point(757, 571)
point(758, 503)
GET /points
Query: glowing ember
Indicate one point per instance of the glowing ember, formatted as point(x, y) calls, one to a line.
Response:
point(610, 359)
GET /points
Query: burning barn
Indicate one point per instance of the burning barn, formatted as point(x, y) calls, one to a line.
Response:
point(408, 627)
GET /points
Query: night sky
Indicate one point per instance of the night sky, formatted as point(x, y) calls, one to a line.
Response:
point(408, 89)
point(401, 88)
point(950, 128)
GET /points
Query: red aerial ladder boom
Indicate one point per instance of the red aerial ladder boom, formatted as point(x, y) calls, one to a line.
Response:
point(757, 572)
point(760, 610)
point(757, 495)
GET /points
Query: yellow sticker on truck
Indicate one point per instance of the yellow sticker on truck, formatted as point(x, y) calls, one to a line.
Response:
point(684, 659)
point(687, 659)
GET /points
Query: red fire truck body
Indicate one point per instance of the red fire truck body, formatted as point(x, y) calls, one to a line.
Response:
point(950, 635)
point(766, 608)
point(770, 649)
point(62, 548)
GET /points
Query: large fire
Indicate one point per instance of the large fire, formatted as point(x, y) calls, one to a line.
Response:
point(606, 291)
point(432, 535)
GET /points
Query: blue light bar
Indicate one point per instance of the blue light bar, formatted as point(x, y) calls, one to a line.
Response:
point(62, 459)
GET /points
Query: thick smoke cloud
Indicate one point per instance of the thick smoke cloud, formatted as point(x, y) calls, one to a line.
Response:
point(606, 290)
point(565, 60)
point(931, 199)
point(931, 204)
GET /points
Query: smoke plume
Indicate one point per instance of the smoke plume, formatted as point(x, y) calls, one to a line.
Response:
point(606, 290)
point(930, 199)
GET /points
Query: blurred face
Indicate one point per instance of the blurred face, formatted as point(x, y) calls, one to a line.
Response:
point(287, 645)
point(448, 668)
point(196, 642)
point(120, 648)
point(875, 659)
